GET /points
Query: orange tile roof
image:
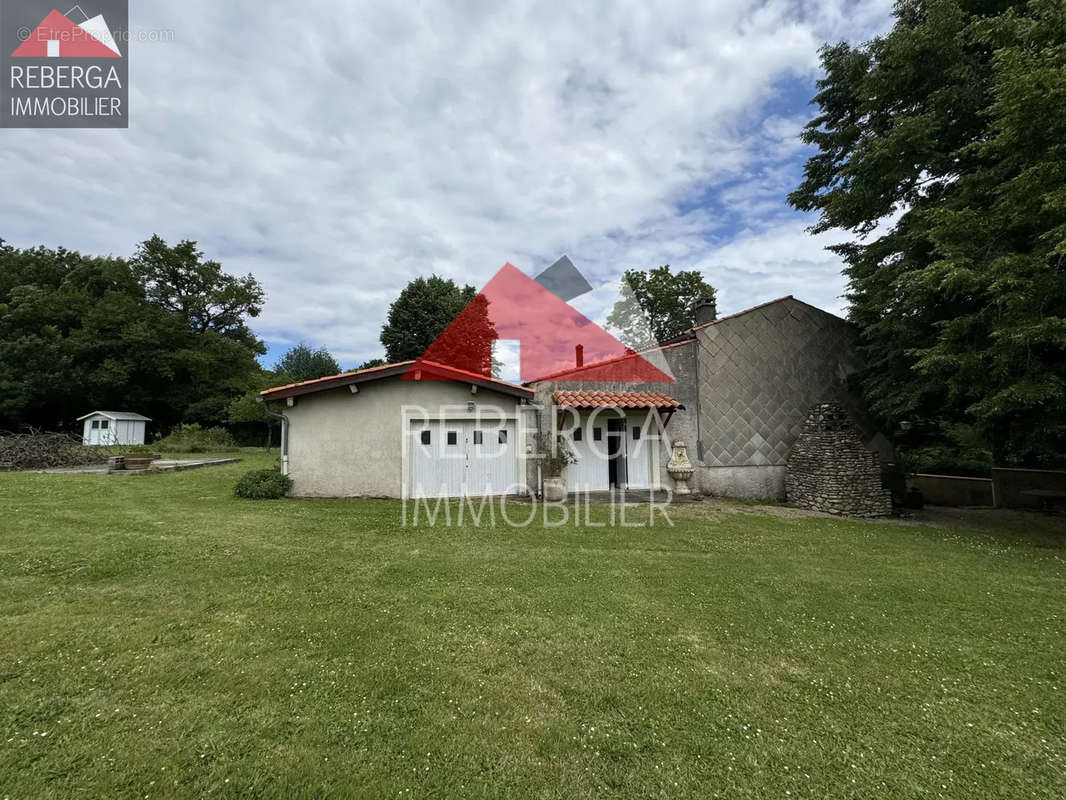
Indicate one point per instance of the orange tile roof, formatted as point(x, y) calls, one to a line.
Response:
point(595, 399)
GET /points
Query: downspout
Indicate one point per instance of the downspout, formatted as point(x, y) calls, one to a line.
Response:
point(284, 434)
point(540, 467)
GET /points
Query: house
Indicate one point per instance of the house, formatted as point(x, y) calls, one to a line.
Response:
point(113, 427)
point(735, 390)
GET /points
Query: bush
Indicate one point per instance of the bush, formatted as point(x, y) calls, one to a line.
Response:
point(263, 484)
point(192, 438)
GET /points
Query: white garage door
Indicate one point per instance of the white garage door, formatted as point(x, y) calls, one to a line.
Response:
point(452, 458)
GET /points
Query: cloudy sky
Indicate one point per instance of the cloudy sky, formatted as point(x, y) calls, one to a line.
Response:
point(338, 150)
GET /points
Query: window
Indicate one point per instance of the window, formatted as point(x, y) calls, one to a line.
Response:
point(479, 437)
point(453, 438)
point(597, 434)
point(636, 433)
point(104, 424)
point(579, 434)
point(96, 424)
point(426, 439)
point(503, 437)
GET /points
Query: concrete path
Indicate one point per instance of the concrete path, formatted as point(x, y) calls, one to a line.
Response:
point(162, 465)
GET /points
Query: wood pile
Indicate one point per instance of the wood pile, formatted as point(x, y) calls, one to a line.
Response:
point(37, 450)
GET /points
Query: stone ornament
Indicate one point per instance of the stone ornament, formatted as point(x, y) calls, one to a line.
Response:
point(830, 469)
point(680, 468)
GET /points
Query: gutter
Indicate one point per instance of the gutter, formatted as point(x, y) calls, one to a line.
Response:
point(284, 434)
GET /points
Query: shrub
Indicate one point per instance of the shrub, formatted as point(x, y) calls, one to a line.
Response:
point(192, 438)
point(263, 484)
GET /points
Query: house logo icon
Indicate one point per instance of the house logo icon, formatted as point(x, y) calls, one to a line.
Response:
point(58, 36)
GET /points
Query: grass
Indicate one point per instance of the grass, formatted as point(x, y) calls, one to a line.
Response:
point(160, 638)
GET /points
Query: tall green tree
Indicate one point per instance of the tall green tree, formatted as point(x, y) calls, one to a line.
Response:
point(181, 280)
point(305, 363)
point(218, 357)
point(425, 307)
point(941, 147)
point(657, 304)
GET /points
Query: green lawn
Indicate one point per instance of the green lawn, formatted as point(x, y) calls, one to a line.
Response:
point(160, 638)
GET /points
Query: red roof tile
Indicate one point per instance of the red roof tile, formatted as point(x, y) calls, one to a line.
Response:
point(595, 399)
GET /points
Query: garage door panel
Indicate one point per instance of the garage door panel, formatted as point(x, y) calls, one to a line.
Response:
point(452, 458)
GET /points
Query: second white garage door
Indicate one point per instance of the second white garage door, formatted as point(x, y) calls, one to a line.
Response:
point(453, 458)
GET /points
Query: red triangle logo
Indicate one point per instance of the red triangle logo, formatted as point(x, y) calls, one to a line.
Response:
point(514, 306)
point(58, 37)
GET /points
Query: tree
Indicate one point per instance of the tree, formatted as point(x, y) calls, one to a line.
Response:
point(246, 410)
point(425, 307)
point(303, 363)
point(941, 147)
point(657, 304)
point(373, 362)
point(467, 342)
point(180, 280)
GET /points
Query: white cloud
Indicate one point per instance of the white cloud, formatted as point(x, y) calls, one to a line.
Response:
point(338, 151)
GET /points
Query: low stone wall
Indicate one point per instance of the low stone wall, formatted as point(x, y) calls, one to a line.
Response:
point(830, 470)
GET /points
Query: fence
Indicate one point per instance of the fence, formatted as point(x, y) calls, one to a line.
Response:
point(951, 490)
point(1005, 489)
point(1011, 483)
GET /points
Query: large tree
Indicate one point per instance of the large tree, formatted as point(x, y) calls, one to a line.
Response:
point(657, 304)
point(425, 307)
point(942, 148)
point(305, 363)
point(181, 280)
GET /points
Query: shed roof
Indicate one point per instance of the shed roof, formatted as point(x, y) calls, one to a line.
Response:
point(117, 415)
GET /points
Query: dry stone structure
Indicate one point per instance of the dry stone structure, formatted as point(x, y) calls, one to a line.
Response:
point(829, 469)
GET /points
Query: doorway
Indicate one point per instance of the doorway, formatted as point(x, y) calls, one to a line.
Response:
point(617, 466)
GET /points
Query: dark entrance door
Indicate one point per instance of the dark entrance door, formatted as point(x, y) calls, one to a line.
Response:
point(617, 468)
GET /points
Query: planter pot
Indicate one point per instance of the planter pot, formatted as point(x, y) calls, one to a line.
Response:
point(554, 489)
point(138, 462)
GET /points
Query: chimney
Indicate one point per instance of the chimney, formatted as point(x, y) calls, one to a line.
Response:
point(706, 311)
point(579, 354)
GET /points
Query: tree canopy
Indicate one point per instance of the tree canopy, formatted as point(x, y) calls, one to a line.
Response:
point(79, 333)
point(657, 304)
point(941, 147)
point(304, 363)
point(425, 307)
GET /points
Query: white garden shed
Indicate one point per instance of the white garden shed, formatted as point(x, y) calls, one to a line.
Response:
point(113, 427)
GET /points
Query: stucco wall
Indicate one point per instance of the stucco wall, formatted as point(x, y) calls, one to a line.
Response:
point(350, 445)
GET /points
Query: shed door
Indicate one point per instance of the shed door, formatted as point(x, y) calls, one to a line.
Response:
point(452, 458)
point(97, 432)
